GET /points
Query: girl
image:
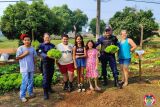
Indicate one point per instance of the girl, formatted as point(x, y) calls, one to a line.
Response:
point(79, 54)
point(92, 64)
point(126, 46)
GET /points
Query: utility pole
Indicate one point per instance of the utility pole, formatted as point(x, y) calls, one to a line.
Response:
point(141, 40)
point(98, 19)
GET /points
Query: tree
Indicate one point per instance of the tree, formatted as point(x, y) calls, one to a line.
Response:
point(64, 21)
point(131, 19)
point(67, 19)
point(79, 19)
point(11, 21)
point(93, 26)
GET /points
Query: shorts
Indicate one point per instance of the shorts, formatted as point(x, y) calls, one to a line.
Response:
point(81, 62)
point(65, 68)
point(125, 62)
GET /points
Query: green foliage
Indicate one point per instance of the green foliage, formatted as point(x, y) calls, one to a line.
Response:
point(111, 49)
point(54, 53)
point(130, 19)
point(68, 18)
point(36, 18)
point(157, 62)
point(93, 26)
point(7, 69)
point(35, 44)
point(13, 81)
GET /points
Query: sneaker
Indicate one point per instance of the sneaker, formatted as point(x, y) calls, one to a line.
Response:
point(24, 100)
point(32, 95)
point(79, 88)
point(65, 86)
point(82, 88)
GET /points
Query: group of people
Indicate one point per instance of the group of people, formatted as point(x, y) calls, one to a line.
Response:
point(74, 57)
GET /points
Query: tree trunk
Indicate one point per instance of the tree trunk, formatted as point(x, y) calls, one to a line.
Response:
point(98, 19)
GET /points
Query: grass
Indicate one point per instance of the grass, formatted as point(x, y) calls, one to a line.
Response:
point(8, 44)
point(4, 44)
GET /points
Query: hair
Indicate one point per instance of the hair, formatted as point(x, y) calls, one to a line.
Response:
point(64, 35)
point(123, 31)
point(82, 42)
point(46, 34)
point(94, 46)
point(24, 36)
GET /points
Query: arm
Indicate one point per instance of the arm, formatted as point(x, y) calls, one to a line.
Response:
point(22, 55)
point(97, 60)
point(133, 45)
point(98, 42)
point(74, 56)
point(41, 52)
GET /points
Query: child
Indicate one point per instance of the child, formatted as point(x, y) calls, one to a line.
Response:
point(92, 64)
point(79, 54)
point(26, 54)
point(65, 63)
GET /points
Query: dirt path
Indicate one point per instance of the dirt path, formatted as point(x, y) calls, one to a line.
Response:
point(130, 96)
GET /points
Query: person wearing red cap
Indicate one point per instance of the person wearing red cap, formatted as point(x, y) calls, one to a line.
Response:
point(105, 41)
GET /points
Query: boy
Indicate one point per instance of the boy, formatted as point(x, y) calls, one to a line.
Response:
point(26, 56)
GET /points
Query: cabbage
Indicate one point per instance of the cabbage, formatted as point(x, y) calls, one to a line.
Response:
point(111, 49)
point(54, 53)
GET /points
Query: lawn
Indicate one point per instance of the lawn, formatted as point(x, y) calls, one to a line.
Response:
point(4, 44)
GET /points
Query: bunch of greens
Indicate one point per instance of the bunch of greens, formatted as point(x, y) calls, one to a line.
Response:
point(111, 49)
point(54, 53)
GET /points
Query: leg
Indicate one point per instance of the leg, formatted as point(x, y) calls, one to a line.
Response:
point(125, 69)
point(113, 66)
point(45, 80)
point(70, 69)
point(24, 84)
point(90, 84)
point(79, 75)
point(104, 70)
point(51, 72)
point(122, 71)
point(30, 83)
point(96, 85)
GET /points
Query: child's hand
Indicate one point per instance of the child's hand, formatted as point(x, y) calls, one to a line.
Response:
point(26, 53)
point(75, 66)
point(77, 57)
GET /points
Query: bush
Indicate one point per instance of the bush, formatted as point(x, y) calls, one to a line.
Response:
point(7, 69)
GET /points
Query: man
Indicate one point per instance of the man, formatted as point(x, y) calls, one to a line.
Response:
point(65, 63)
point(105, 41)
point(47, 65)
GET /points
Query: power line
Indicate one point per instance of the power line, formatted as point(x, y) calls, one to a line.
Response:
point(13, 0)
point(152, 2)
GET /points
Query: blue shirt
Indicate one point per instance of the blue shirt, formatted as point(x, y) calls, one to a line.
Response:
point(104, 41)
point(124, 49)
point(26, 63)
point(43, 49)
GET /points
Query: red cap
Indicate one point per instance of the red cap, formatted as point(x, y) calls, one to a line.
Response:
point(23, 36)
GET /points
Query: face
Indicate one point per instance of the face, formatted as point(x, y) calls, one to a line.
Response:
point(78, 40)
point(46, 38)
point(108, 32)
point(123, 34)
point(27, 41)
point(65, 40)
point(90, 45)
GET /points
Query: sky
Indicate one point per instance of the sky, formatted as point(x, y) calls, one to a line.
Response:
point(108, 8)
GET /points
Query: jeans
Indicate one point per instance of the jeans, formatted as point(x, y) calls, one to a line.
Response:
point(27, 84)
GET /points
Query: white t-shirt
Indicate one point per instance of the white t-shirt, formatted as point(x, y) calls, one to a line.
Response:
point(67, 56)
